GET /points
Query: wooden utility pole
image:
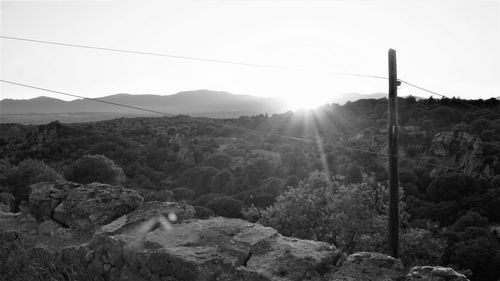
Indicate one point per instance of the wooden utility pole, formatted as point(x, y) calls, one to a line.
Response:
point(393, 157)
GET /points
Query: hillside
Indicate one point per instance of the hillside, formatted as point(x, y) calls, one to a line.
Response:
point(273, 170)
point(197, 103)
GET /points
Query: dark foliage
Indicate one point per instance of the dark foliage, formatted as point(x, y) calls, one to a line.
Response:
point(226, 207)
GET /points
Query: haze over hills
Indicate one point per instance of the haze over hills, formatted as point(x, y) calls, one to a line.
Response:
point(189, 102)
point(207, 103)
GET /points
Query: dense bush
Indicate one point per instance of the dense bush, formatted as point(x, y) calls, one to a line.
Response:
point(152, 195)
point(182, 193)
point(19, 178)
point(450, 186)
point(198, 179)
point(226, 207)
point(202, 212)
point(352, 217)
point(218, 161)
point(479, 125)
point(223, 183)
point(95, 168)
point(203, 199)
point(420, 247)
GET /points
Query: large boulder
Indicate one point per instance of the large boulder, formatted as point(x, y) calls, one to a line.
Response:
point(81, 206)
point(366, 266)
point(88, 206)
point(45, 196)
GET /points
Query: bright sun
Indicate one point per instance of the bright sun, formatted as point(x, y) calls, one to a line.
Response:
point(297, 102)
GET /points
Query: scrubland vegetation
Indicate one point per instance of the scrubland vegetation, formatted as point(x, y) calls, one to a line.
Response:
point(449, 172)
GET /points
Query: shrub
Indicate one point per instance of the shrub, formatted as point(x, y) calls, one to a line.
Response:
point(353, 175)
point(182, 193)
point(198, 179)
point(26, 173)
point(407, 176)
point(203, 199)
point(419, 247)
point(152, 195)
point(95, 168)
point(203, 212)
point(470, 219)
point(219, 161)
point(252, 214)
point(474, 254)
point(226, 207)
point(450, 186)
point(222, 183)
point(272, 186)
point(479, 125)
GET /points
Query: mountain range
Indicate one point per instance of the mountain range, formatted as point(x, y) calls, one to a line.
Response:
point(196, 103)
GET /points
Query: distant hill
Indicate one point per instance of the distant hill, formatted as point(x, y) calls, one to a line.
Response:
point(356, 96)
point(189, 102)
point(207, 103)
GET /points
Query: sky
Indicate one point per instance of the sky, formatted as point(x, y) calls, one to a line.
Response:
point(451, 47)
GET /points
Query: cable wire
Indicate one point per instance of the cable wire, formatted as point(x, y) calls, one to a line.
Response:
point(195, 58)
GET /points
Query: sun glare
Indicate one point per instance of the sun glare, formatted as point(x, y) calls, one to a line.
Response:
point(298, 102)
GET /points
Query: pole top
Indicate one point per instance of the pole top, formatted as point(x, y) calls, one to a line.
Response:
point(392, 51)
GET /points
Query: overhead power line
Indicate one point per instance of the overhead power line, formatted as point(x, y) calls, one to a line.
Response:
point(282, 67)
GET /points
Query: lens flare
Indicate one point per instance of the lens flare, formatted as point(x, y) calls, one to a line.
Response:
point(159, 222)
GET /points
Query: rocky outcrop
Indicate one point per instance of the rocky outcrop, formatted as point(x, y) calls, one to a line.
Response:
point(214, 249)
point(87, 207)
point(82, 207)
point(45, 196)
point(162, 241)
point(466, 149)
point(434, 273)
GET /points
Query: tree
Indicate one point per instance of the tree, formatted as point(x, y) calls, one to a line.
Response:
point(222, 183)
point(95, 168)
